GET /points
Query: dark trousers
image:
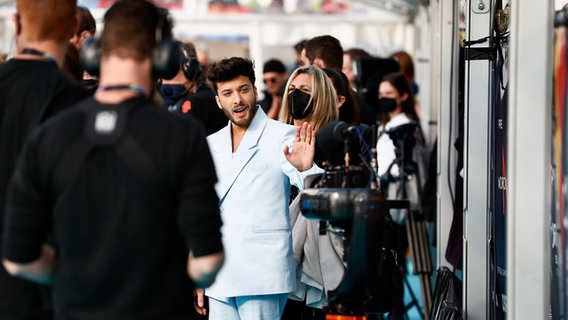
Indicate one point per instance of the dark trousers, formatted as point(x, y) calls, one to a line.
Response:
point(297, 310)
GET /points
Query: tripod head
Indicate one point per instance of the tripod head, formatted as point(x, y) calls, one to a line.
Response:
point(404, 140)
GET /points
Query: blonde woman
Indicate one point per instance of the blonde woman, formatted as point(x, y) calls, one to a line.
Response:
point(309, 97)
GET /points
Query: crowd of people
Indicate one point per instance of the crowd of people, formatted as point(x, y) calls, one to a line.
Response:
point(139, 183)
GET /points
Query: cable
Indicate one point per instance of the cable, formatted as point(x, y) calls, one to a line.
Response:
point(374, 174)
point(450, 129)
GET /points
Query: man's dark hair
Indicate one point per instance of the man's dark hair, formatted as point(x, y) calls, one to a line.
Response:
point(229, 68)
point(326, 48)
point(189, 48)
point(86, 21)
point(357, 52)
point(274, 65)
point(131, 27)
point(300, 45)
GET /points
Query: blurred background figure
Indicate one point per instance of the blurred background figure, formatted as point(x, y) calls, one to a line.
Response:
point(396, 100)
point(202, 54)
point(324, 51)
point(87, 27)
point(298, 47)
point(32, 89)
point(274, 76)
point(204, 58)
point(72, 66)
point(348, 57)
point(188, 93)
point(407, 69)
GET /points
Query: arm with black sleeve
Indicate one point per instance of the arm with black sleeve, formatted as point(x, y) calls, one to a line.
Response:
point(25, 252)
point(198, 213)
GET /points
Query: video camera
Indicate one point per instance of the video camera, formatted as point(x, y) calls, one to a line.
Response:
point(369, 72)
point(345, 198)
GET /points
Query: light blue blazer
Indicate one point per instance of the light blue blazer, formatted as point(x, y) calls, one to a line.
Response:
point(254, 190)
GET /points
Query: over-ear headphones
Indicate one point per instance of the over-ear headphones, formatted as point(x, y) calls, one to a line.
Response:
point(165, 55)
point(190, 65)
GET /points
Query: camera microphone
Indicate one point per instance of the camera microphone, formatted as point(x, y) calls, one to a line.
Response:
point(342, 130)
point(331, 138)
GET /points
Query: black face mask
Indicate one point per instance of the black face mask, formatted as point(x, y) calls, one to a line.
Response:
point(298, 104)
point(387, 105)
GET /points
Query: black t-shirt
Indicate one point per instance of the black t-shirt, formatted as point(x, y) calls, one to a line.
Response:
point(122, 242)
point(30, 92)
point(202, 106)
point(266, 103)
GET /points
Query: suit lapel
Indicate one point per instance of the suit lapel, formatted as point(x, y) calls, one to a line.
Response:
point(247, 149)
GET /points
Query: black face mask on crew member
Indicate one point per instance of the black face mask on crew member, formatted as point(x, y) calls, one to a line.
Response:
point(387, 105)
point(299, 104)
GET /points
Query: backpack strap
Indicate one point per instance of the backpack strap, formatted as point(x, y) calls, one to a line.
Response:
point(70, 162)
point(138, 161)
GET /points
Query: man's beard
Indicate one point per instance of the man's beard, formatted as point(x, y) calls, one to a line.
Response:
point(243, 122)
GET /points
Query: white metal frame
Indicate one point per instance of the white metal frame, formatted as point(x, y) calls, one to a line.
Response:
point(444, 78)
point(530, 104)
point(477, 144)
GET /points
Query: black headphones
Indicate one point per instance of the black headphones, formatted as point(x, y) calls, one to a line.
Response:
point(165, 55)
point(190, 65)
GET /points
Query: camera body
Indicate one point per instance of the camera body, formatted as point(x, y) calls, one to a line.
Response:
point(340, 198)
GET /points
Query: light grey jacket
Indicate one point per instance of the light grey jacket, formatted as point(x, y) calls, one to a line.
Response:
point(254, 191)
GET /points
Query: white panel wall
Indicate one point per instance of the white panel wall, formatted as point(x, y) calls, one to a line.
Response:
point(530, 104)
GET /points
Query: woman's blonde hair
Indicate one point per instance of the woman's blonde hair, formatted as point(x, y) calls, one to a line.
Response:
point(323, 94)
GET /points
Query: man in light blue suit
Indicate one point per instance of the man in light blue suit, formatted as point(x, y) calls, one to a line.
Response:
point(257, 159)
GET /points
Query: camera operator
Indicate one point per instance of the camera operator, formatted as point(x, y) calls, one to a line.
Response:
point(188, 93)
point(135, 221)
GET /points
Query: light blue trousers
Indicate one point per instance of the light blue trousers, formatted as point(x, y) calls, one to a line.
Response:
point(261, 307)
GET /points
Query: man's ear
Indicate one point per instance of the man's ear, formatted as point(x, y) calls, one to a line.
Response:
point(17, 24)
point(218, 102)
point(319, 63)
